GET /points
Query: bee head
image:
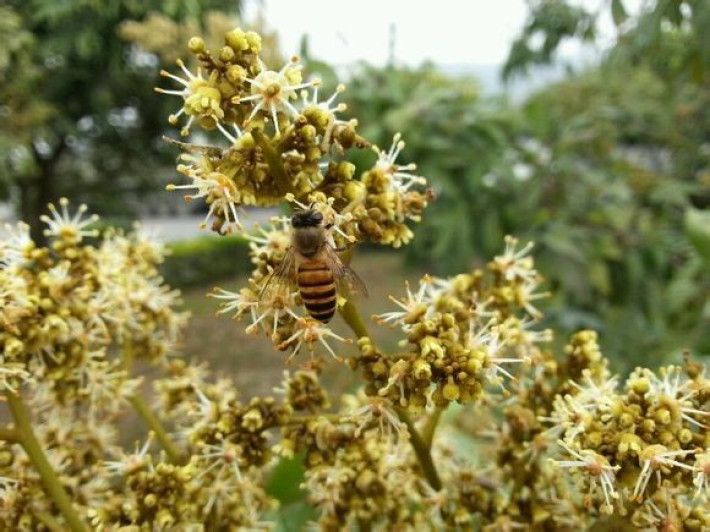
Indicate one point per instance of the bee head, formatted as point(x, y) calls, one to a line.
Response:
point(309, 218)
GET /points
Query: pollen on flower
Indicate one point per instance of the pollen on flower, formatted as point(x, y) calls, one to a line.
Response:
point(219, 192)
point(16, 245)
point(674, 387)
point(401, 178)
point(222, 457)
point(272, 91)
point(515, 263)
point(201, 97)
point(265, 312)
point(70, 228)
point(599, 470)
point(377, 413)
point(414, 305)
point(270, 244)
point(309, 332)
point(324, 112)
point(656, 458)
point(130, 463)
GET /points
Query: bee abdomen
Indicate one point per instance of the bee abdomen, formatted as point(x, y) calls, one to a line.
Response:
point(317, 289)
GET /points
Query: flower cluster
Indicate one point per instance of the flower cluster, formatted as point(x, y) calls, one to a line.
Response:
point(283, 139)
point(640, 448)
point(461, 334)
point(74, 316)
point(66, 307)
point(284, 144)
point(617, 457)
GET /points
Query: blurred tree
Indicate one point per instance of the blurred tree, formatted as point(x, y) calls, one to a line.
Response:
point(597, 169)
point(636, 130)
point(78, 116)
point(644, 37)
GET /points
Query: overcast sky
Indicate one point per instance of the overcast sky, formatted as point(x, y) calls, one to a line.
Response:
point(445, 31)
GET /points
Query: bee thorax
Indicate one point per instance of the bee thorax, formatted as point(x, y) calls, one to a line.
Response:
point(308, 241)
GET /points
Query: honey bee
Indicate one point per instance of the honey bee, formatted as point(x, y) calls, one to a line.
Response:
point(312, 264)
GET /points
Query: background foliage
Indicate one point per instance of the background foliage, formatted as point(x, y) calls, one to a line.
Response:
point(79, 115)
point(601, 170)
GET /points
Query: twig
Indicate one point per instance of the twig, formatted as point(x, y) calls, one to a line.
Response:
point(157, 427)
point(422, 450)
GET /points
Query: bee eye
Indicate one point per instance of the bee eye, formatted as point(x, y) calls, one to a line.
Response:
point(318, 217)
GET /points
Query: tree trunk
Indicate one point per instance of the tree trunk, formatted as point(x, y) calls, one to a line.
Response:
point(37, 192)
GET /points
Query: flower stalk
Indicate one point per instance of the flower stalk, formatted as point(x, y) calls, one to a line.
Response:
point(157, 427)
point(420, 443)
point(127, 358)
point(273, 159)
point(430, 427)
point(423, 451)
point(29, 442)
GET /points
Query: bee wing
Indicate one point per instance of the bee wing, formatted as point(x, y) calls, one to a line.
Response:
point(346, 278)
point(279, 283)
point(194, 148)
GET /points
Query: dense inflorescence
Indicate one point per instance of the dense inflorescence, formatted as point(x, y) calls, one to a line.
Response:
point(471, 423)
point(66, 307)
point(284, 144)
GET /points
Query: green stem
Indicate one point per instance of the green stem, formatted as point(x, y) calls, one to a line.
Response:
point(127, 355)
point(157, 427)
point(422, 450)
point(353, 318)
point(127, 358)
point(29, 443)
point(430, 427)
point(422, 446)
point(273, 159)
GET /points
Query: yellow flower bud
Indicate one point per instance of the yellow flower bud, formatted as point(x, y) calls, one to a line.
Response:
point(421, 370)
point(150, 500)
point(226, 54)
point(237, 39)
point(451, 391)
point(196, 45)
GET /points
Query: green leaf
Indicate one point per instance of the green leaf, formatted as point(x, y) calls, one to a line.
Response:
point(293, 517)
point(284, 484)
point(618, 12)
point(285, 481)
point(697, 227)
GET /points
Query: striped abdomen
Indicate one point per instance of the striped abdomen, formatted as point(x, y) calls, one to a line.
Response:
point(317, 289)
